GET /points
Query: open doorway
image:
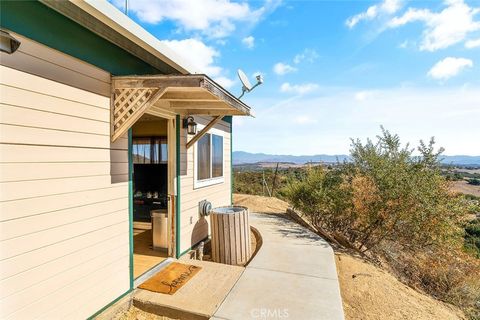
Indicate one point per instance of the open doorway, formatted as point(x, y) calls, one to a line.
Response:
point(151, 190)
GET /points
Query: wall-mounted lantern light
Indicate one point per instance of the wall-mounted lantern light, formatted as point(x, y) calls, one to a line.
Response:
point(8, 43)
point(190, 124)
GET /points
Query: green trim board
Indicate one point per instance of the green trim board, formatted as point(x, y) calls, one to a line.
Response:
point(38, 22)
point(231, 162)
point(110, 304)
point(177, 198)
point(130, 204)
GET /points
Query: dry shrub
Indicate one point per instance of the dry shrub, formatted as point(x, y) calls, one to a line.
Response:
point(393, 206)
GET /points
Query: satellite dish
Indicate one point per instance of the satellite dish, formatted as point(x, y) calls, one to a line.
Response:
point(246, 85)
point(244, 79)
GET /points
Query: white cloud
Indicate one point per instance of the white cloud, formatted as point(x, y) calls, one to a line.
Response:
point(198, 53)
point(304, 120)
point(298, 88)
point(308, 55)
point(214, 18)
point(470, 44)
point(225, 82)
point(385, 7)
point(202, 57)
point(449, 67)
point(442, 29)
point(249, 42)
point(364, 95)
point(281, 68)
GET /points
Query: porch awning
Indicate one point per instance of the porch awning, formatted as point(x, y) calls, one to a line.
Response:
point(166, 96)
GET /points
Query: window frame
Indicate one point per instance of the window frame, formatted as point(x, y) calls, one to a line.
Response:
point(210, 181)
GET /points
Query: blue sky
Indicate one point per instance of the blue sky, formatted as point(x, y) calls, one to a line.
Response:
point(334, 70)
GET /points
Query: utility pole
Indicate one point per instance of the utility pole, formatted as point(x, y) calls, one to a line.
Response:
point(274, 180)
point(265, 185)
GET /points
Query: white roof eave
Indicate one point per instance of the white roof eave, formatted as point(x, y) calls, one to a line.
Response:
point(115, 19)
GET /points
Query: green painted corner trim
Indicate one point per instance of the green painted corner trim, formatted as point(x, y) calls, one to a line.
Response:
point(130, 205)
point(38, 22)
point(109, 305)
point(177, 200)
point(231, 161)
point(228, 119)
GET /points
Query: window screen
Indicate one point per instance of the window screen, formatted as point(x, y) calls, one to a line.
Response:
point(203, 157)
point(217, 156)
point(141, 151)
point(150, 150)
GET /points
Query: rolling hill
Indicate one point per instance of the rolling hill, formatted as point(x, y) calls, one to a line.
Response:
point(242, 157)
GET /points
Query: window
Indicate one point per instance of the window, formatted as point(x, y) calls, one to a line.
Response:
point(217, 156)
point(209, 160)
point(203, 157)
point(150, 150)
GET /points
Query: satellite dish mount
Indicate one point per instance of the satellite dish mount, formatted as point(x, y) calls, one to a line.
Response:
point(246, 85)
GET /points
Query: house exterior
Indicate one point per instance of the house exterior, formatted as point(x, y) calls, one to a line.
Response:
point(83, 84)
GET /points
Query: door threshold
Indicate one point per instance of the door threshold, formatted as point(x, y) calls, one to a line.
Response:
point(150, 273)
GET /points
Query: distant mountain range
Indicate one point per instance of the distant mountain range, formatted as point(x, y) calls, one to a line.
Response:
point(242, 157)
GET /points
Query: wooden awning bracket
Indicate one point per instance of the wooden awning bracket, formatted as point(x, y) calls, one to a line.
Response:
point(199, 135)
point(128, 105)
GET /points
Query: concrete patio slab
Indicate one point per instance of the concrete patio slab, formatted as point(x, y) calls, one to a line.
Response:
point(293, 276)
point(280, 295)
point(198, 298)
point(279, 258)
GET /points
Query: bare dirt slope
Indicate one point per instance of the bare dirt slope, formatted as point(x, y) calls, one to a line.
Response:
point(368, 292)
point(260, 204)
point(466, 188)
point(136, 314)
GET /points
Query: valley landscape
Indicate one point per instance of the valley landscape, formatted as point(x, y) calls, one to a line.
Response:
point(388, 207)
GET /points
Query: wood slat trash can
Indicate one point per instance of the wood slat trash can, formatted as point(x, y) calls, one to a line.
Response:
point(230, 235)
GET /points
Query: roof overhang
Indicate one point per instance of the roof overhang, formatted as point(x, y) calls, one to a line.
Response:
point(104, 19)
point(168, 95)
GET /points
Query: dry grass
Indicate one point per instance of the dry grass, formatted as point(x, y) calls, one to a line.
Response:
point(465, 188)
point(260, 204)
point(136, 314)
point(369, 292)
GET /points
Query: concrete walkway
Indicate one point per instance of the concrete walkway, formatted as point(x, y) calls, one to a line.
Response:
point(293, 276)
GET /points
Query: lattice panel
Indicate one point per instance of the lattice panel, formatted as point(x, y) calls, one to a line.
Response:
point(126, 103)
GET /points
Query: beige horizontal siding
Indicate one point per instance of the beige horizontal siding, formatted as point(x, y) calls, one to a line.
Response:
point(14, 134)
point(39, 101)
point(193, 227)
point(64, 229)
point(36, 154)
point(38, 171)
point(20, 116)
point(37, 59)
point(67, 248)
point(43, 272)
point(31, 224)
point(96, 294)
point(26, 207)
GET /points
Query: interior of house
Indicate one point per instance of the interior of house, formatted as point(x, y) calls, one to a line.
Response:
point(150, 193)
